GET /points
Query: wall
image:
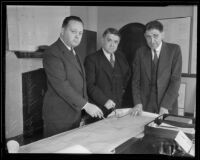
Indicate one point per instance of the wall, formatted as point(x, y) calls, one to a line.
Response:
point(194, 42)
point(190, 95)
point(14, 69)
point(88, 14)
point(32, 26)
point(120, 16)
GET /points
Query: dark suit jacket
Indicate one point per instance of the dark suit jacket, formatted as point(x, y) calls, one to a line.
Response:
point(168, 76)
point(99, 77)
point(66, 93)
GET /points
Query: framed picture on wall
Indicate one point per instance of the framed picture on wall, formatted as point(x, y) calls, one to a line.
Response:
point(181, 99)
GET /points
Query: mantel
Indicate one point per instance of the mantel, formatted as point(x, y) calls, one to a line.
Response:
point(28, 54)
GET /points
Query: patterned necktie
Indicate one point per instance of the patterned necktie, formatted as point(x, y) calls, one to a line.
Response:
point(155, 59)
point(112, 62)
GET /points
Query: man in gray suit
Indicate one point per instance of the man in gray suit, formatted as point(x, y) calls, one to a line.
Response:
point(66, 96)
point(156, 73)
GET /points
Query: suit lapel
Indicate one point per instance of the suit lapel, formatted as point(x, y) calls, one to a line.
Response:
point(120, 62)
point(69, 56)
point(81, 63)
point(163, 59)
point(105, 64)
point(147, 62)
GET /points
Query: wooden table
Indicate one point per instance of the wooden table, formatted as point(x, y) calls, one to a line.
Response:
point(99, 137)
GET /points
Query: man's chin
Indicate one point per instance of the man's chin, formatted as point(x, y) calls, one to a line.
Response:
point(75, 45)
point(111, 51)
point(153, 47)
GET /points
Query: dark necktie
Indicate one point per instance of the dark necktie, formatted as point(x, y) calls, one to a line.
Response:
point(72, 51)
point(75, 55)
point(155, 59)
point(112, 62)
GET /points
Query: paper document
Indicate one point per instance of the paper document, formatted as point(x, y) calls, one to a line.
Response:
point(168, 126)
point(183, 141)
point(74, 149)
point(149, 114)
point(125, 111)
point(192, 150)
point(119, 112)
point(99, 137)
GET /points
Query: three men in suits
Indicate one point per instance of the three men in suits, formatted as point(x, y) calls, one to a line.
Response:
point(156, 73)
point(66, 96)
point(107, 73)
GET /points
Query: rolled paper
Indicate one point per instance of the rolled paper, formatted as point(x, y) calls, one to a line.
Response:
point(13, 146)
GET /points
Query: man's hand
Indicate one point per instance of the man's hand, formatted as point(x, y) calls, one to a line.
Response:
point(163, 110)
point(136, 110)
point(93, 110)
point(109, 104)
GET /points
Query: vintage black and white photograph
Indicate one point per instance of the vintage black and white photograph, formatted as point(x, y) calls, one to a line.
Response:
point(83, 79)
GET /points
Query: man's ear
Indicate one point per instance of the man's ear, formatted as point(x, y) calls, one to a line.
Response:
point(62, 31)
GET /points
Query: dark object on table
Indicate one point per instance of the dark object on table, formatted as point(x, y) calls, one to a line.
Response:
point(151, 145)
point(167, 132)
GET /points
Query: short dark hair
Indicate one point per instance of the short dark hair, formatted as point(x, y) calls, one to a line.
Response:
point(67, 19)
point(111, 31)
point(154, 25)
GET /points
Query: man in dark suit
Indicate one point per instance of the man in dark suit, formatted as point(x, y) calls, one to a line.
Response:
point(67, 94)
point(107, 73)
point(156, 73)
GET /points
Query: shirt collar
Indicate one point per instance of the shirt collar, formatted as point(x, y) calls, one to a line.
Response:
point(158, 49)
point(68, 47)
point(108, 54)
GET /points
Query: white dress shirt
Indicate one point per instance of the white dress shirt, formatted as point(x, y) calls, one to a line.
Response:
point(68, 47)
point(158, 49)
point(108, 55)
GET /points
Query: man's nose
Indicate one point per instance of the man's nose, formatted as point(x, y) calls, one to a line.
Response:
point(77, 36)
point(152, 39)
point(112, 44)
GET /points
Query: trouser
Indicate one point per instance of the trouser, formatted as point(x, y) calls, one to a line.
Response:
point(152, 105)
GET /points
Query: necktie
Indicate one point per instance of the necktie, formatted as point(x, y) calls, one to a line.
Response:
point(72, 51)
point(112, 62)
point(75, 55)
point(155, 59)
